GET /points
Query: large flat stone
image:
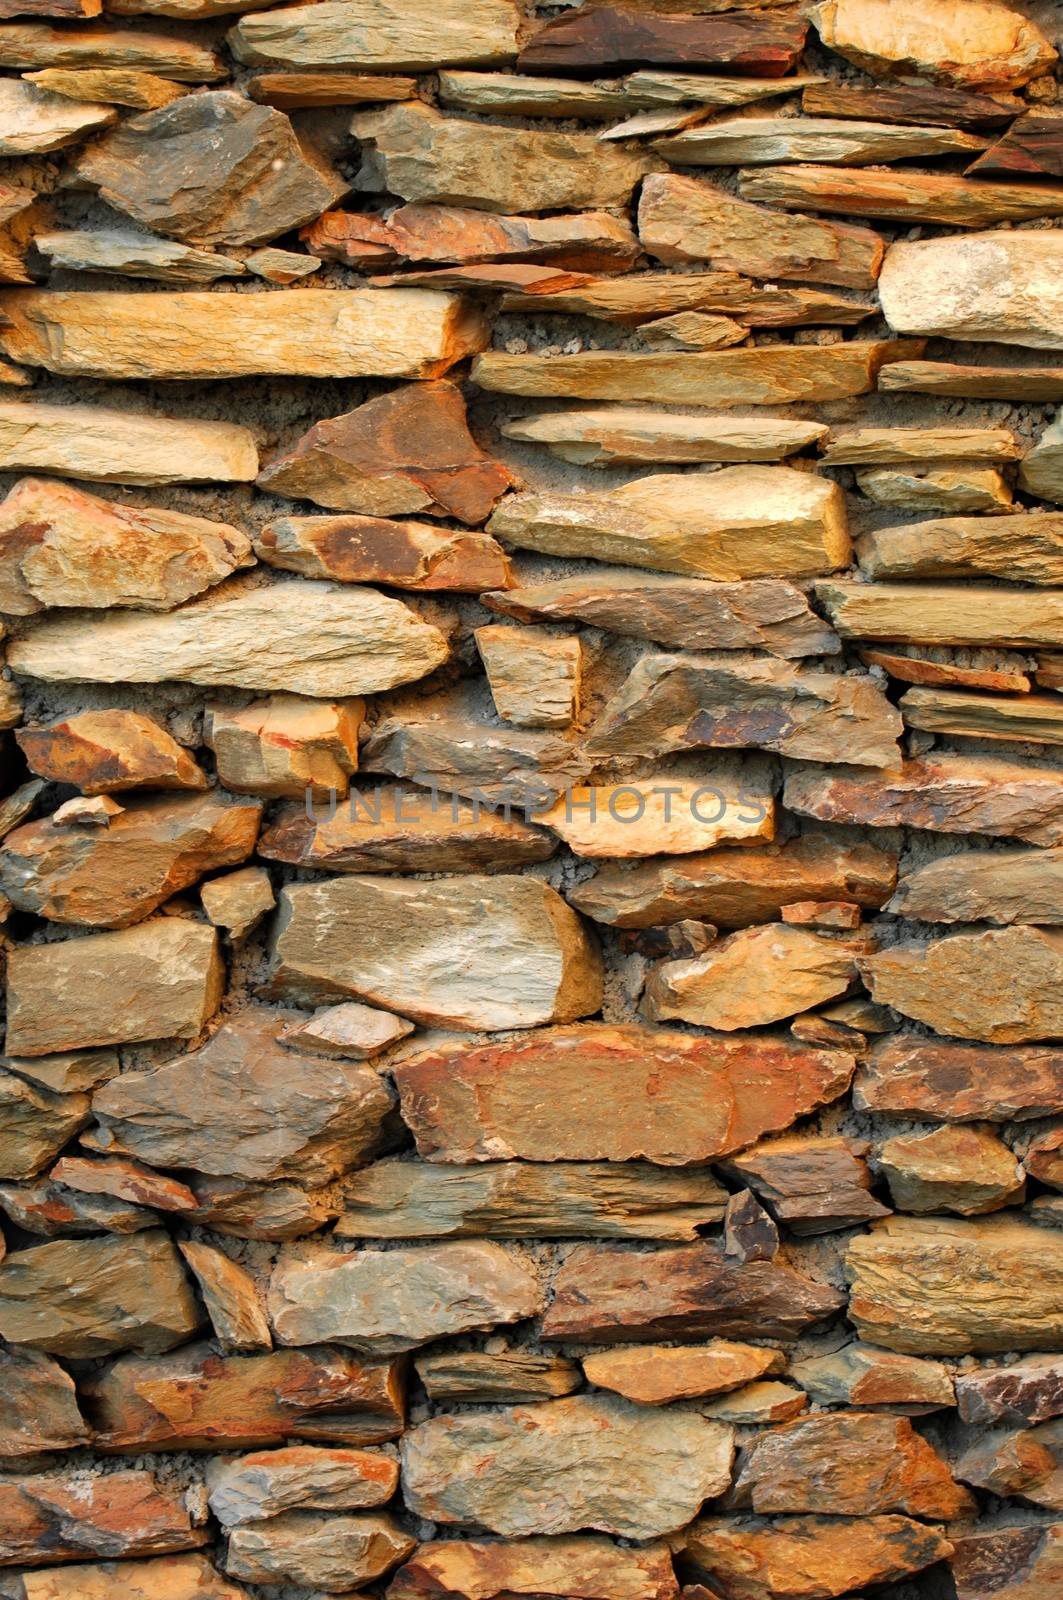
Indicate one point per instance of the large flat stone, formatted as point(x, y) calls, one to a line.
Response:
point(111, 446)
point(1023, 549)
point(733, 141)
point(592, 1567)
point(38, 44)
point(171, 1577)
point(941, 1080)
point(1000, 985)
point(808, 1558)
point(106, 752)
point(372, 35)
point(603, 435)
point(996, 286)
point(979, 45)
point(598, 39)
point(302, 1477)
point(755, 976)
point(308, 1548)
point(45, 1518)
point(912, 197)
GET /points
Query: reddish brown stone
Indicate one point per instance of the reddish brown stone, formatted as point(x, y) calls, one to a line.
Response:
point(609, 38)
point(656, 1374)
point(1032, 147)
point(583, 1567)
point(749, 1234)
point(247, 1210)
point(812, 1183)
point(49, 1519)
point(124, 1180)
point(950, 1082)
point(1044, 1159)
point(863, 1375)
point(809, 1558)
point(604, 1295)
point(1026, 1391)
point(40, 1410)
point(104, 752)
point(916, 103)
point(1009, 1563)
point(405, 555)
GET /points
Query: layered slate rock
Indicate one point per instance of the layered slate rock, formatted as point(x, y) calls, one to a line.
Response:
point(161, 980)
point(903, 197)
point(999, 986)
point(1041, 471)
point(1001, 886)
point(238, 901)
point(585, 1462)
point(307, 1548)
point(734, 140)
point(810, 1184)
point(984, 286)
point(536, 679)
point(606, 1295)
point(1026, 1391)
point(509, 1375)
point(318, 639)
point(516, 1199)
point(926, 613)
point(112, 446)
point(372, 36)
point(409, 451)
point(809, 1558)
point(385, 1301)
point(934, 1285)
point(755, 976)
point(615, 1093)
point(32, 121)
point(35, 1123)
point(405, 555)
point(601, 435)
point(41, 1411)
point(352, 1030)
point(106, 752)
point(285, 746)
point(91, 1297)
point(135, 255)
point(865, 1376)
point(171, 1577)
point(945, 1081)
point(525, 957)
point(229, 1294)
point(966, 1171)
point(248, 1107)
point(60, 1518)
point(33, 44)
point(554, 1567)
point(610, 37)
point(1027, 549)
point(301, 1477)
point(675, 812)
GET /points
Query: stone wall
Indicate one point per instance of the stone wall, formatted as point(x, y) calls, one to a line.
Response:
point(532, 865)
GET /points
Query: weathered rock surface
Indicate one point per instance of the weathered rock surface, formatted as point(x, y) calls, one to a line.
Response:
point(64, 1518)
point(1026, 549)
point(732, 141)
point(901, 197)
point(238, 901)
point(890, 446)
point(927, 614)
point(125, 1180)
point(37, 44)
point(305, 1548)
point(983, 286)
point(408, 451)
point(743, 522)
point(35, 1124)
point(603, 435)
point(162, 980)
point(604, 1295)
point(1015, 1563)
point(521, 1199)
point(915, 102)
point(132, 254)
point(229, 1294)
point(385, 1301)
point(1026, 1391)
point(932, 1285)
point(106, 752)
point(116, 86)
point(672, 812)
point(33, 121)
point(351, 1030)
point(404, 555)
point(966, 1171)
point(249, 1210)
point(984, 45)
point(112, 877)
point(809, 1558)
point(109, 446)
point(999, 986)
point(586, 1462)
point(972, 382)
point(301, 1477)
point(371, 35)
point(332, 333)
point(293, 91)
point(656, 1374)
point(1041, 471)
point(685, 219)
point(1035, 717)
point(616, 1093)
point(525, 957)
point(40, 1410)
point(950, 1082)
point(812, 1184)
point(757, 1403)
point(247, 1107)
point(318, 639)
point(589, 1567)
point(66, 1073)
point(1030, 147)
point(535, 678)
point(91, 1297)
point(755, 976)
point(642, 298)
point(174, 1577)
point(57, 1212)
point(611, 37)
point(285, 745)
point(862, 1375)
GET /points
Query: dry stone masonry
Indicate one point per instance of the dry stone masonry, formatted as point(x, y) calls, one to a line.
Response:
point(531, 800)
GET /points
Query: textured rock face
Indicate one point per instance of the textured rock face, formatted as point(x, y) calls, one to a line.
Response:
point(304, 1548)
point(114, 446)
point(929, 289)
point(285, 745)
point(42, 1411)
point(998, 986)
point(566, 1465)
point(59, 1519)
point(301, 1477)
point(590, 1568)
point(756, 976)
point(809, 1558)
point(983, 45)
point(942, 1081)
point(104, 752)
point(657, 1374)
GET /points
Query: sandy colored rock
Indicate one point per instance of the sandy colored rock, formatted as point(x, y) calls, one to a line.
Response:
point(516, 94)
point(68, 1072)
point(757, 1403)
point(281, 266)
point(809, 1558)
point(966, 1171)
point(305, 1548)
point(369, 34)
point(135, 255)
point(285, 745)
point(535, 678)
point(811, 1183)
point(999, 886)
point(1041, 471)
point(301, 1477)
point(927, 613)
point(692, 330)
point(754, 976)
point(770, 375)
point(175, 1577)
point(743, 522)
point(48, 1518)
point(124, 1180)
point(938, 1286)
point(114, 86)
point(516, 955)
point(107, 752)
point(20, 220)
point(408, 451)
point(863, 1375)
point(510, 1375)
point(686, 219)
point(656, 1374)
point(971, 382)
point(291, 91)
point(586, 1462)
point(1037, 717)
point(984, 286)
point(628, 435)
point(162, 980)
point(35, 1123)
point(413, 151)
point(735, 888)
point(41, 1410)
point(1022, 1392)
point(111, 446)
point(671, 813)
point(248, 1210)
point(55, 1211)
point(904, 197)
point(238, 901)
point(33, 121)
point(243, 1402)
point(404, 555)
point(998, 986)
point(970, 46)
point(617, 1093)
point(385, 1301)
point(604, 1295)
point(590, 1567)
point(115, 876)
point(733, 141)
point(515, 1199)
point(645, 297)
point(229, 1294)
point(946, 1082)
point(692, 702)
point(889, 446)
point(960, 486)
point(608, 37)
point(91, 1297)
point(244, 1106)
point(317, 639)
point(333, 333)
point(1025, 549)
point(26, 45)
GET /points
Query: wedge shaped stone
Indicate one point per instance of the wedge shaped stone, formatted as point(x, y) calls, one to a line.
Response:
point(238, 901)
point(892, 446)
point(989, 286)
point(1041, 472)
point(536, 679)
point(615, 1093)
point(112, 446)
point(656, 1374)
point(373, 35)
point(41, 1410)
point(308, 1548)
point(48, 1518)
point(1037, 717)
point(510, 1375)
point(912, 197)
point(317, 639)
point(970, 46)
point(245, 1106)
point(38, 44)
point(285, 745)
point(733, 141)
point(1024, 549)
point(808, 1558)
point(1000, 886)
point(865, 1376)
point(132, 254)
point(973, 382)
point(943, 1081)
point(106, 752)
point(811, 1183)
point(116, 86)
point(229, 1294)
point(33, 121)
point(35, 1123)
point(958, 984)
point(171, 1577)
point(371, 549)
point(965, 1171)
point(630, 436)
point(755, 976)
point(525, 958)
point(1022, 1392)
point(299, 1478)
point(612, 1466)
point(586, 1565)
point(927, 613)
point(610, 37)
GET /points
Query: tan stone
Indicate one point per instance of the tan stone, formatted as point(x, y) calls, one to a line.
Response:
point(770, 375)
point(510, 1375)
point(646, 296)
point(76, 1071)
point(316, 639)
point(305, 1548)
point(685, 219)
point(653, 88)
point(862, 1375)
point(656, 1374)
point(291, 91)
point(740, 522)
point(135, 255)
point(958, 487)
point(515, 94)
point(927, 613)
point(32, 121)
point(808, 1558)
point(670, 813)
point(934, 1285)
point(406, 451)
point(115, 86)
point(302, 1477)
point(732, 141)
point(37, 44)
point(757, 1403)
point(123, 1180)
point(230, 1296)
point(517, 956)
point(993, 286)
point(617, 1093)
point(115, 876)
point(970, 45)
point(628, 435)
point(754, 976)
point(999, 985)
point(1000, 886)
point(20, 218)
point(588, 1566)
point(512, 1199)
point(413, 151)
point(966, 1171)
point(35, 1123)
point(238, 901)
point(107, 752)
point(244, 1106)
point(48, 1518)
point(285, 745)
point(811, 1183)
point(332, 333)
point(973, 383)
point(175, 1577)
point(40, 1410)
point(1026, 549)
point(162, 980)
point(370, 35)
point(889, 446)
point(91, 1297)
point(535, 678)
point(1037, 717)
point(684, 702)
point(281, 266)
point(609, 1466)
point(911, 197)
point(404, 555)
point(1041, 471)
point(110, 446)
point(1043, 1159)
point(246, 1210)
point(692, 330)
